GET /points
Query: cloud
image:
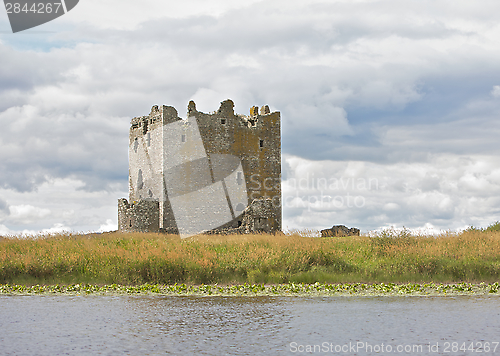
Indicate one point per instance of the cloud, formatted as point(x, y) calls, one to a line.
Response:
point(4, 207)
point(27, 213)
point(58, 228)
point(61, 201)
point(108, 226)
point(495, 92)
point(447, 192)
point(340, 64)
point(5, 231)
point(132, 14)
point(39, 144)
point(383, 87)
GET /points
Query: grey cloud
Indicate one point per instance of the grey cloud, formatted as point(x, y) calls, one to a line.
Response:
point(91, 149)
point(272, 24)
point(384, 82)
point(22, 70)
point(199, 47)
point(448, 192)
point(4, 207)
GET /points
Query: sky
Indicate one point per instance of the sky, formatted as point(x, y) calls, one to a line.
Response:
point(390, 108)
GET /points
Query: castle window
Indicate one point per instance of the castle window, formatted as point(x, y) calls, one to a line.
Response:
point(140, 182)
point(223, 121)
point(261, 143)
point(239, 178)
point(148, 139)
point(183, 138)
point(135, 145)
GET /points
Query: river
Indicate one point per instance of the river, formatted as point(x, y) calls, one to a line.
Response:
point(181, 325)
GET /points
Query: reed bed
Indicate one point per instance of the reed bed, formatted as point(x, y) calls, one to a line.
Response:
point(137, 259)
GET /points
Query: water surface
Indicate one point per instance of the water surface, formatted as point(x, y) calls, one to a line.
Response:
point(181, 325)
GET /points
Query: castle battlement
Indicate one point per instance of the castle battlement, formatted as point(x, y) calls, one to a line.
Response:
point(205, 171)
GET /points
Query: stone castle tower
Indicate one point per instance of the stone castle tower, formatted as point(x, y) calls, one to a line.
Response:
point(218, 172)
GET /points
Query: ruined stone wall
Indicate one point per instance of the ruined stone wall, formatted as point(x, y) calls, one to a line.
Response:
point(139, 216)
point(260, 216)
point(198, 169)
point(146, 161)
point(146, 153)
point(255, 139)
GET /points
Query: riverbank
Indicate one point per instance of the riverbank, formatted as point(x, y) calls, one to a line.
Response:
point(136, 259)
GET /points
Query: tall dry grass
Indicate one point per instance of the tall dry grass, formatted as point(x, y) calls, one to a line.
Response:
point(391, 256)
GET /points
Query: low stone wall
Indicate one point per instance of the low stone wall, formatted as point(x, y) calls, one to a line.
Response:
point(140, 216)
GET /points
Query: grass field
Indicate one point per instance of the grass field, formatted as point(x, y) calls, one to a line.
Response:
point(136, 259)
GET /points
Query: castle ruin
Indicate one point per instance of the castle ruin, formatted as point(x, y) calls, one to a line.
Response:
point(208, 173)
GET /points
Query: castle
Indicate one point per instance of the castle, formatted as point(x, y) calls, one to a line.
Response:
point(208, 173)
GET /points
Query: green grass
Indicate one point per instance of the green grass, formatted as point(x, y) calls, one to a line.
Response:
point(139, 259)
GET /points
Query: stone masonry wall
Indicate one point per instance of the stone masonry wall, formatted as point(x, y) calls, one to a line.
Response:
point(161, 142)
point(140, 216)
point(256, 139)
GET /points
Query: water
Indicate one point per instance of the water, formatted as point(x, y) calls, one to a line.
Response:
point(156, 325)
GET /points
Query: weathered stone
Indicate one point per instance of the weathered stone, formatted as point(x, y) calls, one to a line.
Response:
point(173, 161)
point(340, 230)
point(140, 216)
point(258, 217)
point(254, 111)
point(265, 110)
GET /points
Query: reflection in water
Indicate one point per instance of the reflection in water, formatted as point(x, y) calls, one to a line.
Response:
point(243, 325)
point(155, 325)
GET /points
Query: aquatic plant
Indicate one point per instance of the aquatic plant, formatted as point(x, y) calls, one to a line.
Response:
point(290, 289)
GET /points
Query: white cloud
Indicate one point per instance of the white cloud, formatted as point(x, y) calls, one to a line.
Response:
point(58, 228)
point(495, 92)
point(5, 231)
point(427, 230)
point(27, 213)
point(132, 14)
point(448, 192)
point(65, 206)
point(108, 226)
point(400, 92)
